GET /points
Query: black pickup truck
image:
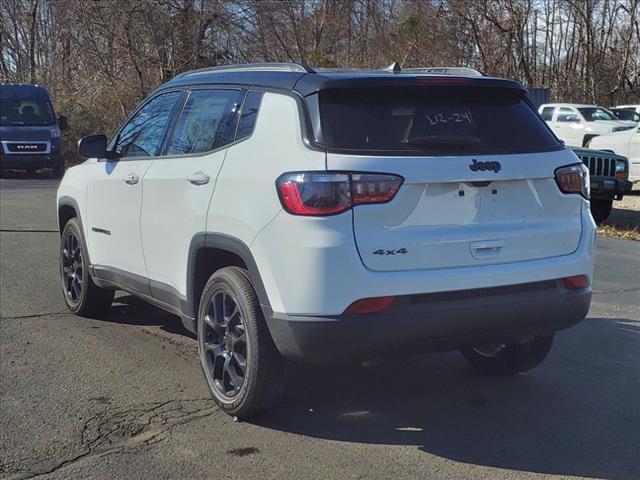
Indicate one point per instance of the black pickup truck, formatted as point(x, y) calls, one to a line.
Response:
point(609, 179)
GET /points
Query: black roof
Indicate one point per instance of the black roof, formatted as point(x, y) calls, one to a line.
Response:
point(304, 80)
point(23, 91)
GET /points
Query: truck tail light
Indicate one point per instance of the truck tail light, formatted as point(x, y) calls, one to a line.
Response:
point(330, 193)
point(574, 179)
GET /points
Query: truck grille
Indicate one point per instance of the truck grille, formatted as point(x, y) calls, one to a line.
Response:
point(26, 147)
point(599, 166)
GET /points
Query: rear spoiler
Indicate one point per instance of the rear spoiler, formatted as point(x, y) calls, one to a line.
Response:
point(313, 83)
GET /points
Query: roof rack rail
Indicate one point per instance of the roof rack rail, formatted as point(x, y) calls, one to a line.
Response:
point(467, 72)
point(255, 67)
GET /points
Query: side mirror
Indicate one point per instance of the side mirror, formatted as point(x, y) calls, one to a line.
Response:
point(93, 146)
point(63, 123)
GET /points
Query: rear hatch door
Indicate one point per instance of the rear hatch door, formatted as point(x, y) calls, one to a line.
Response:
point(478, 166)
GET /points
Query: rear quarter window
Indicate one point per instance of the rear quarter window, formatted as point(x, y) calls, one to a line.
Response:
point(249, 115)
point(431, 120)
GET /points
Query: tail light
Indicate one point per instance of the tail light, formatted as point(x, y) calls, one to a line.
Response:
point(330, 193)
point(369, 305)
point(574, 179)
point(576, 282)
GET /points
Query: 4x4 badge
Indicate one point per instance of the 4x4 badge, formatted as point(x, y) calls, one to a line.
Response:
point(484, 166)
point(381, 251)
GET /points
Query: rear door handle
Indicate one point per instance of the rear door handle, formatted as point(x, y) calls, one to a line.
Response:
point(131, 179)
point(198, 178)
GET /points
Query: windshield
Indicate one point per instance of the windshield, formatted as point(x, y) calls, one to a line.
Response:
point(431, 120)
point(591, 114)
point(627, 114)
point(26, 112)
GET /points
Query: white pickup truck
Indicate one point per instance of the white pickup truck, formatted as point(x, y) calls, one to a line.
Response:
point(576, 124)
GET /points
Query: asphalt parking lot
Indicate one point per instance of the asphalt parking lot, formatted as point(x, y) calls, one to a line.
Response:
point(123, 396)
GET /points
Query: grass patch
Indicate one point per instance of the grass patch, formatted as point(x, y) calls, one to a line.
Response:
point(626, 232)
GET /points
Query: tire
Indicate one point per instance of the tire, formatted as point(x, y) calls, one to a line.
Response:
point(58, 169)
point(82, 296)
point(511, 358)
point(601, 209)
point(244, 371)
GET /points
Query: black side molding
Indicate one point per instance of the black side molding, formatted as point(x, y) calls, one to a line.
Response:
point(134, 282)
point(164, 296)
point(167, 297)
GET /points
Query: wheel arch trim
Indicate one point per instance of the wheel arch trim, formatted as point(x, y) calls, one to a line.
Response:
point(66, 201)
point(212, 240)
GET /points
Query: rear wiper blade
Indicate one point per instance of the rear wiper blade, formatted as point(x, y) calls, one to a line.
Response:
point(444, 141)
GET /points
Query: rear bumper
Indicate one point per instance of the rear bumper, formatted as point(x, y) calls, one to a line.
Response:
point(311, 267)
point(433, 322)
point(607, 187)
point(22, 161)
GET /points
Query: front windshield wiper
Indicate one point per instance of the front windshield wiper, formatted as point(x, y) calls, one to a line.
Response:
point(444, 141)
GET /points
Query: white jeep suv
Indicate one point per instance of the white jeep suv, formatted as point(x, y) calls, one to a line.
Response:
point(283, 212)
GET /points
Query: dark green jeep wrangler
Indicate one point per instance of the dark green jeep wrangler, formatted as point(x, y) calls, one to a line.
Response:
point(609, 179)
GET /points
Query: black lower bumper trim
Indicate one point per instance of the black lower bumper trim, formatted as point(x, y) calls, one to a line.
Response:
point(437, 324)
point(21, 162)
point(607, 186)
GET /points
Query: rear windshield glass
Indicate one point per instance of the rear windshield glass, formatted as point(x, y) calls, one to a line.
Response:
point(431, 120)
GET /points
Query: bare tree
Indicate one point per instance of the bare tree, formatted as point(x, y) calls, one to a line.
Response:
point(99, 59)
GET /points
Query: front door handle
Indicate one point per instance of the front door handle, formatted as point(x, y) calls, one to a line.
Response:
point(131, 179)
point(198, 178)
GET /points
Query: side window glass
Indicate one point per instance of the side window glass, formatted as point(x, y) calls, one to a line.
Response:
point(249, 115)
point(207, 121)
point(143, 134)
point(547, 113)
point(567, 115)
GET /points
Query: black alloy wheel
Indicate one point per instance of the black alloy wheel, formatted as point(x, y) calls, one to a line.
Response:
point(224, 342)
point(72, 268)
point(242, 366)
point(82, 296)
